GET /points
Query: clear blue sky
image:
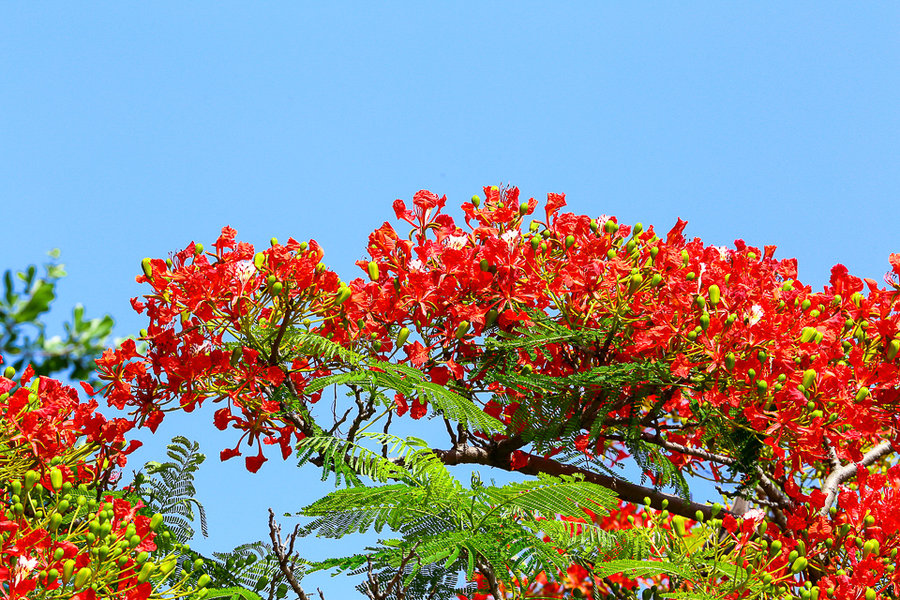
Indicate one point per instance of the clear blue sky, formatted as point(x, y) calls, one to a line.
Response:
point(128, 130)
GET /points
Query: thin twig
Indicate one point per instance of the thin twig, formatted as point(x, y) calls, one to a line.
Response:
point(278, 547)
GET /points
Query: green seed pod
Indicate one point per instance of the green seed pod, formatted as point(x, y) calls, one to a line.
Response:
point(56, 478)
point(892, 349)
point(342, 294)
point(570, 241)
point(611, 226)
point(259, 260)
point(81, 578)
point(462, 329)
point(198, 248)
point(862, 394)
point(373, 270)
point(714, 295)
point(402, 336)
point(809, 378)
point(147, 268)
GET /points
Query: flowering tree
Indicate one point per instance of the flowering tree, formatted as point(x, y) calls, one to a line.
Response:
point(560, 347)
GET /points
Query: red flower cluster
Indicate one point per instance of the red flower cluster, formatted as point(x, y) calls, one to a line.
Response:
point(56, 540)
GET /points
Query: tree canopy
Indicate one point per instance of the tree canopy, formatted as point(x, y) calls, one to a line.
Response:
point(554, 345)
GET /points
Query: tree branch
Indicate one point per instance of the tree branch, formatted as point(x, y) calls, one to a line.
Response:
point(278, 547)
point(847, 472)
point(535, 465)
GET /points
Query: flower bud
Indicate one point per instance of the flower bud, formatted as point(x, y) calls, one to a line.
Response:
point(704, 321)
point(462, 329)
point(799, 564)
point(373, 270)
point(155, 521)
point(610, 226)
point(81, 578)
point(259, 259)
point(714, 295)
point(56, 478)
point(729, 361)
point(491, 317)
point(570, 241)
point(342, 294)
point(273, 242)
point(147, 268)
point(402, 336)
point(862, 394)
point(637, 229)
point(892, 349)
point(476, 200)
point(809, 378)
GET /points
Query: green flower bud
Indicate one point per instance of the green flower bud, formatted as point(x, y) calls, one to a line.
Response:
point(476, 200)
point(462, 329)
point(342, 294)
point(704, 321)
point(523, 208)
point(634, 283)
point(729, 361)
point(31, 477)
point(637, 229)
point(611, 226)
point(147, 268)
point(373, 270)
point(678, 525)
point(862, 394)
point(714, 295)
point(570, 241)
point(204, 581)
point(198, 248)
point(277, 288)
point(808, 334)
point(809, 378)
point(273, 242)
point(56, 478)
point(258, 260)
point(146, 572)
point(892, 349)
point(655, 280)
point(762, 387)
point(402, 336)
point(81, 578)
point(155, 521)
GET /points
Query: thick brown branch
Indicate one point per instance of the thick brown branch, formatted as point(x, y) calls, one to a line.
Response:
point(535, 465)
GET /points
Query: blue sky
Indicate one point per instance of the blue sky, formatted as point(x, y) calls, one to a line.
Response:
point(128, 130)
